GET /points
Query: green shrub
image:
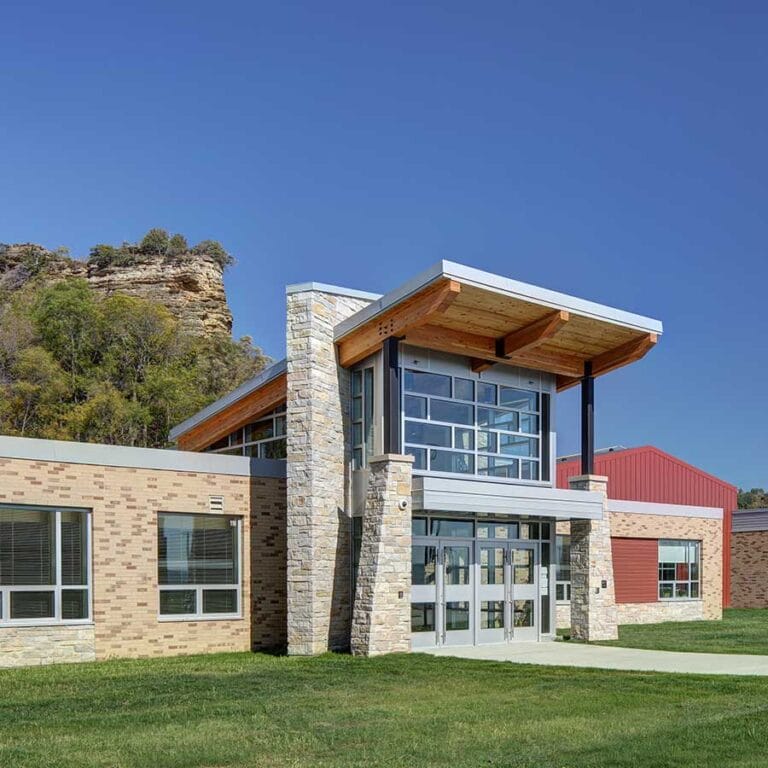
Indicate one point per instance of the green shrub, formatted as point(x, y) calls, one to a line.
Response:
point(102, 255)
point(177, 245)
point(215, 250)
point(155, 242)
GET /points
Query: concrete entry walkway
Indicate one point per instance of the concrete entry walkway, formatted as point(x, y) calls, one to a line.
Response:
point(610, 657)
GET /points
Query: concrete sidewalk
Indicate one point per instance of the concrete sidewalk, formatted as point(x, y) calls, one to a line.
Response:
point(610, 657)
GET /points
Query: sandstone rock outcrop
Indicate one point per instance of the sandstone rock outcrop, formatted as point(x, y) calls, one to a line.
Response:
point(190, 284)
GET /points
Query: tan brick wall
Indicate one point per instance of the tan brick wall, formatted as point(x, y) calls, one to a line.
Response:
point(125, 503)
point(709, 532)
point(749, 569)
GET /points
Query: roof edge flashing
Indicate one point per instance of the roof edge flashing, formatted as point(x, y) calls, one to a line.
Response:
point(335, 290)
point(129, 457)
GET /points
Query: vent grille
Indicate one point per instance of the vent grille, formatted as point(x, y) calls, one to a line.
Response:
point(216, 503)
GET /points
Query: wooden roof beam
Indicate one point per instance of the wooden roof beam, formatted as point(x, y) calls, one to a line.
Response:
point(531, 335)
point(623, 355)
point(411, 313)
point(613, 358)
point(482, 350)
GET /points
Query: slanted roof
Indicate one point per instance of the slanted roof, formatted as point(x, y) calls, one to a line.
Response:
point(258, 395)
point(494, 319)
point(746, 520)
point(606, 458)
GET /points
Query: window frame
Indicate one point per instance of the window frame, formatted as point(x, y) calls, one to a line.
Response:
point(674, 598)
point(539, 462)
point(58, 587)
point(237, 445)
point(367, 373)
point(564, 583)
point(199, 589)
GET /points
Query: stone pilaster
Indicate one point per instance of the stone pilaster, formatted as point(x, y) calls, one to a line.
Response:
point(593, 602)
point(318, 526)
point(381, 621)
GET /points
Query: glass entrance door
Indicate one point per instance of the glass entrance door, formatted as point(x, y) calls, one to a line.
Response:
point(424, 578)
point(456, 588)
point(493, 593)
point(525, 591)
point(507, 592)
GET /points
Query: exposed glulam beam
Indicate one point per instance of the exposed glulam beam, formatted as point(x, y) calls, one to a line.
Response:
point(482, 350)
point(623, 355)
point(413, 312)
point(608, 361)
point(531, 335)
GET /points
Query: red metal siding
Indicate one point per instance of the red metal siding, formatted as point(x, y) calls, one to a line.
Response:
point(650, 474)
point(635, 570)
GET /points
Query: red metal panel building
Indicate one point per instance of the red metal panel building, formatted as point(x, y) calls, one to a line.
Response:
point(650, 474)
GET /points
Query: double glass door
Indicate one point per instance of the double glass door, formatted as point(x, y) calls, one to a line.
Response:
point(467, 592)
point(507, 592)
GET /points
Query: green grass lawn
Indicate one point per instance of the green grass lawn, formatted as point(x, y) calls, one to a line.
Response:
point(740, 631)
point(406, 710)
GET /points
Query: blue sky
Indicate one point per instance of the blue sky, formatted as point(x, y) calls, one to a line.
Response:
point(610, 152)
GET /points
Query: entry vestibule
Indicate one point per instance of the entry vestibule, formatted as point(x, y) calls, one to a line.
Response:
point(480, 581)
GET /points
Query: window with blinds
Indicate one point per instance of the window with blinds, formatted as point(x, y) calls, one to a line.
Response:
point(44, 573)
point(198, 566)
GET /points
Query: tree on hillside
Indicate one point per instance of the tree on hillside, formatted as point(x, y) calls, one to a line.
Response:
point(115, 370)
point(757, 498)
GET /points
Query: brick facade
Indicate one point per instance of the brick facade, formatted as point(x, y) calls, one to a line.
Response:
point(124, 502)
point(643, 526)
point(709, 532)
point(749, 569)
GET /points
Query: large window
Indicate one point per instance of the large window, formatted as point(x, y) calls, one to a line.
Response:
point(362, 416)
point(199, 566)
point(679, 569)
point(44, 565)
point(263, 439)
point(463, 426)
point(563, 569)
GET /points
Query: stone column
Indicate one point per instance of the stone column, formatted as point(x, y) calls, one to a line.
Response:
point(318, 525)
point(381, 621)
point(593, 602)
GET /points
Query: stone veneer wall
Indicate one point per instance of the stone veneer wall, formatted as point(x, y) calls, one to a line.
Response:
point(593, 604)
point(709, 532)
point(318, 523)
point(124, 504)
point(749, 569)
point(381, 621)
point(655, 613)
point(32, 646)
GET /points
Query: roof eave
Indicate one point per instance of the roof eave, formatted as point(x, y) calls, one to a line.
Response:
point(502, 285)
point(245, 389)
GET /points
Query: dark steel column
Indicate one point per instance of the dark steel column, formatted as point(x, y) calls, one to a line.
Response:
point(391, 394)
point(587, 421)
